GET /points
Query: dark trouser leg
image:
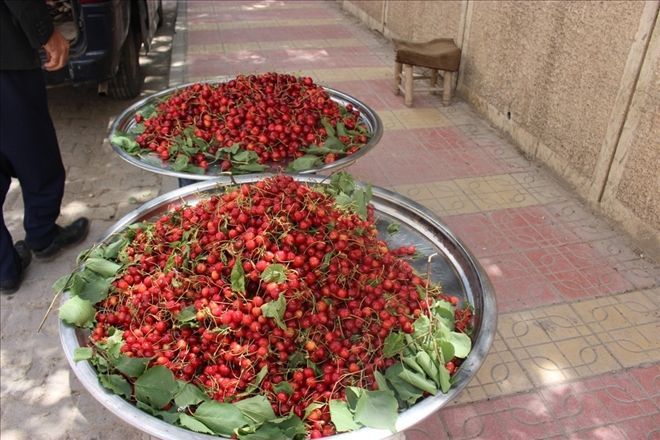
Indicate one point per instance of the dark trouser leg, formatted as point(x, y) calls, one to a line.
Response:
point(9, 261)
point(29, 145)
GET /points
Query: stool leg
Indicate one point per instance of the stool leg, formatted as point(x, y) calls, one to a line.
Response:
point(434, 77)
point(446, 87)
point(408, 87)
point(397, 78)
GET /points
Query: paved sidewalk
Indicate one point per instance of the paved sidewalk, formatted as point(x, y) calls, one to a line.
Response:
point(577, 350)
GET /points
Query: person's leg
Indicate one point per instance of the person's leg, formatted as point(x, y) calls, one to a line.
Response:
point(10, 268)
point(28, 141)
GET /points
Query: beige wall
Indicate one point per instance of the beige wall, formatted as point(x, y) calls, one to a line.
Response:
point(555, 67)
point(632, 190)
point(562, 79)
point(409, 19)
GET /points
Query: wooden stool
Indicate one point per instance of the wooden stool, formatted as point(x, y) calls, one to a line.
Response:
point(439, 55)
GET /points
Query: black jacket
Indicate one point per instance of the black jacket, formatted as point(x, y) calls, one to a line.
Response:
point(25, 26)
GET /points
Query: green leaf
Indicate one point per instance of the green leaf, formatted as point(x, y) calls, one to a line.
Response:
point(291, 425)
point(102, 266)
point(444, 378)
point(230, 150)
point(334, 145)
point(186, 315)
point(303, 163)
point(148, 111)
point(76, 283)
point(221, 418)
point(326, 260)
point(188, 395)
point(275, 310)
point(170, 416)
point(403, 390)
point(238, 276)
point(342, 417)
point(381, 381)
point(341, 129)
point(461, 342)
point(194, 169)
point(181, 162)
point(393, 228)
point(100, 363)
point(446, 350)
point(423, 294)
point(342, 182)
point(421, 327)
point(116, 383)
point(320, 151)
point(267, 431)
point(393, 345)
point(352, 396)
point(60, 284)
point(313, 366)
point(445, 311)
point(343, 200)
point(328, 127)
point(137, 129)
point(93, 287)
point(131, 366)
point(82, 354)
point(257, 380)
point(248, 168)
point(256, 408)
point(361, 201)
point(125, 143)
point(274, 273)
point(283, 387)
point(156, 386)
point(430, 368)
point(77, 311)
point(112, 344)
point(411, 363)
point(296, 359)
point(200, 143)
point(418, 380)
point(193, 424)
point(245, 157)
point(112, 250)
point(377, 409)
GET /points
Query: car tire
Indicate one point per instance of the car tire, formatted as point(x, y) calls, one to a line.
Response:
point(127, 82)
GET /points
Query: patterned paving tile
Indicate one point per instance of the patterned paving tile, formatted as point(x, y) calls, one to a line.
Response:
point(496, 192)
point(443, 198)
point(254, 24)
point(542, 188)
point(604, 407)
point(421, 118)
point(642, 273)
point(627, 324)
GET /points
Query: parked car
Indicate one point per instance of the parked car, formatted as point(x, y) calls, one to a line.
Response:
point(106, 37)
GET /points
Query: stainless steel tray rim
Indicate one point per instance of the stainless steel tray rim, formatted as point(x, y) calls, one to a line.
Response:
point(406, 419)
point(367, 114)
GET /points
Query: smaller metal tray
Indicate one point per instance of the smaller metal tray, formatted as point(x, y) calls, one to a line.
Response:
point(151, 162)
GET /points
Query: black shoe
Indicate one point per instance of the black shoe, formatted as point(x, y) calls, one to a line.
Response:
point(67, 236)
point(7, 287)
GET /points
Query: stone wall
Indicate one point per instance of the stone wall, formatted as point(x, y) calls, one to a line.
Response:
point(574, 84)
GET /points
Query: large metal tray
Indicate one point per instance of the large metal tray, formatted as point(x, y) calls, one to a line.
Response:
point(454, 267)
point(151, 162)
